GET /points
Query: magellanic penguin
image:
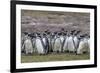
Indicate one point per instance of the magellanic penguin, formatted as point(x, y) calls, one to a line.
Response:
point(28, 45)
point(52, 40)
point(76, 40)
point(23, 38)
point(45, 43)
point(39, 44)
point(49, 41)
point(65, 44)
point(57, 44)
point(71, 46)
point(87, 41)
point(62, 38)
point(89, 45)
point(83, 45)
point(33, 43)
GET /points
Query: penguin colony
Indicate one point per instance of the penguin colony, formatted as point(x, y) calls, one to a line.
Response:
point(55, 42)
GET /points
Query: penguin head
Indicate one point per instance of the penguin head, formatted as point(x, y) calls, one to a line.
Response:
point(45, 31)
point(64, 34)
point(79, 38)
point(73, 31)
point(55, 33)
point(25, 33)
point(77, 32)
point(30, 35)
point(87, 35)
point(59, 33)
point(48, 33)
point(82, 36)
point(44, 34)
point(33, 35)
point(38, 34)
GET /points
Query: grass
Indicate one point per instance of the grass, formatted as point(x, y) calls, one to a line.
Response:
point(53, 57)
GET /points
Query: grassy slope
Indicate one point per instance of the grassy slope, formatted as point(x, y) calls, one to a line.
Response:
point(53, 57)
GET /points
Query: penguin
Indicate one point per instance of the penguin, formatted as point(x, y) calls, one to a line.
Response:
point(88, 45)
point(49, 41)
point(65, 44)
point(23, 36)
point(44, 39)
point(28, 45)
point(76, 40)
point(45, 43)
point(52, 40)
point(22, 43)
point(71, 46)
point(57, 44)
point(33, 43)
point(39, 45)
point(62, 37)
point(83, 45)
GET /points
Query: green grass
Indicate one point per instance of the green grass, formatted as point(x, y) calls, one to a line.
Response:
point(53, 57)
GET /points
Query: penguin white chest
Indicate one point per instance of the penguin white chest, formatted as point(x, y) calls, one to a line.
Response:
point(62, 38)
point(57, 45)
point(76, 42)
point(71, 46)
point(89, 43)
point(28, 46)
point(83, 46)
point(65, 46)
point(44, 41)
point(39, 46)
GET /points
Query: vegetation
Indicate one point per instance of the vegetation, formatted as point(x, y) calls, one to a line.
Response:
point(53, 57)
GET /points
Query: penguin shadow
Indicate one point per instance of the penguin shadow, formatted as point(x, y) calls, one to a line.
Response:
point(85, 52)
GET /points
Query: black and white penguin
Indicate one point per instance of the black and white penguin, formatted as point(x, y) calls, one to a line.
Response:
point(49, 41)
point(65, 44)
point(33, 36)
point(71, 46)
point(62, 37)
point(57, 44)
point(45, 42)
point(76, 40)
point(88, 43)
point(52, 40)
point(23, 37)
point(83, 45)
point(28, 45)
point(39, 44)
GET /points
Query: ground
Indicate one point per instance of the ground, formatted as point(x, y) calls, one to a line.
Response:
point(40, 21)
point(53, 57)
